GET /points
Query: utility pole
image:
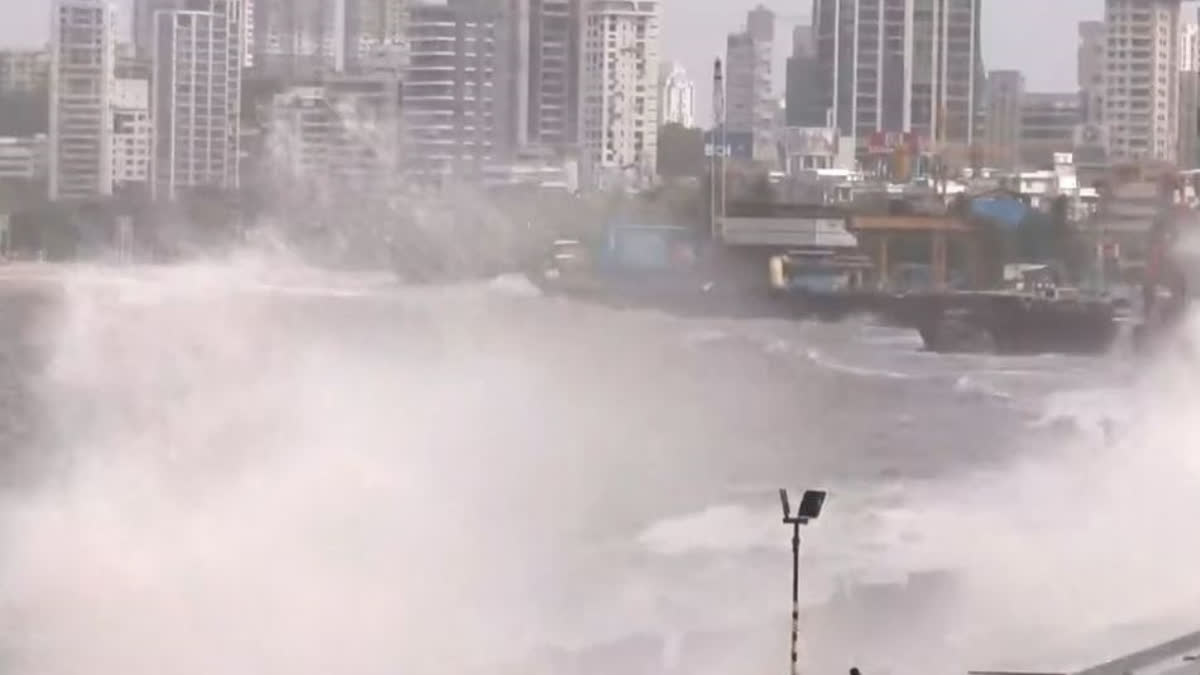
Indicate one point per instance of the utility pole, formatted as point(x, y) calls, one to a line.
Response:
point(810, 508)
point(717, 208)
point(712, 159)
point(719, 92)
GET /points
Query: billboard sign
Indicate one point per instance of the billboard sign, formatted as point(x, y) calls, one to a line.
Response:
point(738, 144)
point(888, 142)
point(809, 141)
point(788, 232)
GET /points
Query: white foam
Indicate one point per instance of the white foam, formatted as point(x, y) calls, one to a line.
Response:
point(297, 499)
point(516, 285)
point(820, 359)
point(1091, 409)
point(725, 529)
point(704, 336)
point(973, 383)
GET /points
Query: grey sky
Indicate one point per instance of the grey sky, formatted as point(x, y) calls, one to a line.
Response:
point(1036, 36)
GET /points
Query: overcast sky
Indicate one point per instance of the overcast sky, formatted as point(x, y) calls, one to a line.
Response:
point(1035, 36)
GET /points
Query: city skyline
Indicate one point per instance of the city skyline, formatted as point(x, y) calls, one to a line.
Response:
point(695, 33)
point(894, 87)
point(568, 95)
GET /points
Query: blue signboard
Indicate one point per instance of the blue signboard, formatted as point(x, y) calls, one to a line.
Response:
point(1004, 210)
point(738, 144)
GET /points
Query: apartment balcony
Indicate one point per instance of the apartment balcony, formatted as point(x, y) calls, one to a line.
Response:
point(441, 64)
point(415, 129)
point(79, 172)
point(451, 137)
point(436, 78)
point(431, 95)
point(441, 83)
point(434, 53)
point(426, 40)
point(436, 144)
point(438, 110)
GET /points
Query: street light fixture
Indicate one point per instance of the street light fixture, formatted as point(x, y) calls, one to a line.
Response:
point(810, 509)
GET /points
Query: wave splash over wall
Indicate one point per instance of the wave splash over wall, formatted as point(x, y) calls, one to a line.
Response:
point(1063, 555)
point(246, 479)
point(252, 467)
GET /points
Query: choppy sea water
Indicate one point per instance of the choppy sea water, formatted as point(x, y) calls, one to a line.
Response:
point(215, 468)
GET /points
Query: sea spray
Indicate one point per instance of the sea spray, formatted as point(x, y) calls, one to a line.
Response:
point(262, 471)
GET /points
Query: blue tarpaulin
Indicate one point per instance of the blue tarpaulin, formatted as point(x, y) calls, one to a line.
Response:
point(1004, 210)
point(649, 247)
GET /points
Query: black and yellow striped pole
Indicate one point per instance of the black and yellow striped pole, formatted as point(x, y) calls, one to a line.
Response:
point(810, 508)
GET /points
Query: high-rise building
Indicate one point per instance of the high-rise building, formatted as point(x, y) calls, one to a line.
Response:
point(620, 86)
point(1189, 96)
point(1005, 97)
point(554, 72)
point(132, 133)
point(676, 96)
point(1189, 45)
point(1048, 125)
point(371, 35)
point(300, 38)
point(22, 159)
point(899, 65)
point(742, 58)
point(377, 35)
point(82, 51)
point(1090, 59)
point(1141, 103)
point(196, 97)
point(450, 96)
point(803, 105)
point(143, 24)
point(24, 92)
point(343, 132)
point(750, 106)
point(760, 24)
point(512, 81)
point(24, 70)
point(247, 34)
point(1188, 154)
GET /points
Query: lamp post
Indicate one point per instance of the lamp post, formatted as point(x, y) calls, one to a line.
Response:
point(810, 508)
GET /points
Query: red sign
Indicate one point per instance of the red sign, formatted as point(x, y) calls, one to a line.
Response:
point(887, 142)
